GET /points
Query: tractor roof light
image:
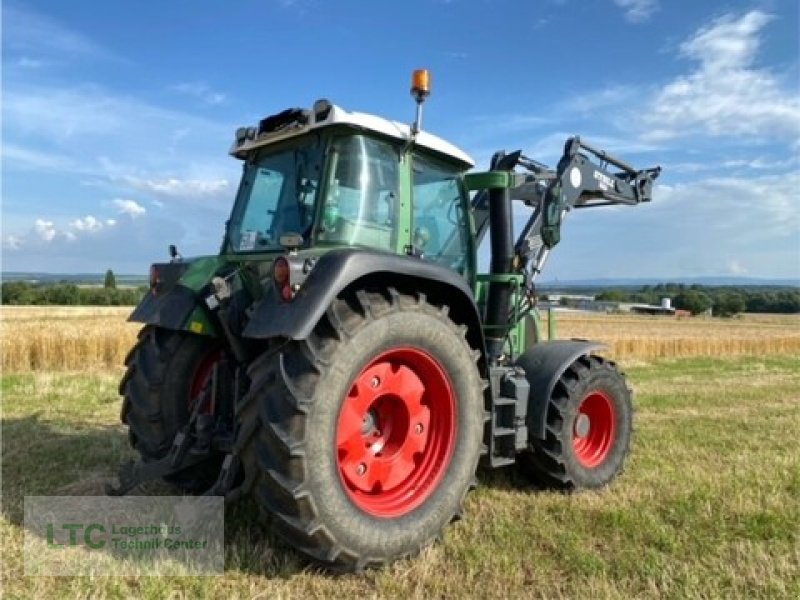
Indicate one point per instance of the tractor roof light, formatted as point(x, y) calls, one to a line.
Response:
point(421, 84)
point(322, 109)
point(420, 89)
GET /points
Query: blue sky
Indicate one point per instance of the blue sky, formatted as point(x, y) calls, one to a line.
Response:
point(117, 116)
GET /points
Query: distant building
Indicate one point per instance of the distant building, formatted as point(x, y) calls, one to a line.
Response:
point(577, 302)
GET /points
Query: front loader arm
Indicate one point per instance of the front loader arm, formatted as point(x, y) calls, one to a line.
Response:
point(576, 182)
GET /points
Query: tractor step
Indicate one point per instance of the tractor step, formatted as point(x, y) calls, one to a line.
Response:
point(508, 432)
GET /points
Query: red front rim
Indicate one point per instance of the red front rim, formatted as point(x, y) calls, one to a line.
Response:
point(201, 376)
point(594, 429)
point(396, 432)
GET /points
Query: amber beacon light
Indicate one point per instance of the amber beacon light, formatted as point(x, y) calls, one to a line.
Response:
point(420, 84)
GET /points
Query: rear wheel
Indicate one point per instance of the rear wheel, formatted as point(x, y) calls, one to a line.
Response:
point(167, 373)
point(370, 430)
point(588, 430)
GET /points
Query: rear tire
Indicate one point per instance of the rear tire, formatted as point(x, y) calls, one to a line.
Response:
point(166, 372)
point(309, 483)
point(588, 430)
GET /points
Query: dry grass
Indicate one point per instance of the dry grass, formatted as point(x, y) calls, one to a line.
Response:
point(708, 507)
point(89, 338)
point(646, 338)
point(65, 338)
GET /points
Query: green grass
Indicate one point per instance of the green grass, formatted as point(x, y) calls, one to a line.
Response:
point(709, 505)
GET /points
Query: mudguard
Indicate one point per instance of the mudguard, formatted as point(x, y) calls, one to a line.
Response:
point(174, 302)
point(337, 269)
point(544, 363)
point(169, 310)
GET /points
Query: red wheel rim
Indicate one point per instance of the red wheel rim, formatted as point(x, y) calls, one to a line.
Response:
point(201, 376)
point(594, 429)
point(396, 432)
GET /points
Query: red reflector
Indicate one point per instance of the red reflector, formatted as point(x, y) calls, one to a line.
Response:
point(155, 277)
point(280, 271)
point(286, 293)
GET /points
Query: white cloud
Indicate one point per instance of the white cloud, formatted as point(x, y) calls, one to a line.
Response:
point(611, 96)
point(747, 208)
point(62, 113)
point(74, 251)
point(695, 228)
point(45, 230)
point(637, 11)
point(129, 207)
point(27, 31)
point(736, 268)
point(88, 224)
point(761, 163)
point(29, 63)
point(12, 242)
point(200, 90)
point(33, 159)
point(725, 95)
point(175, 187)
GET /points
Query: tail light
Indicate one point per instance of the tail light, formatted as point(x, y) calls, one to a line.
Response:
point(155, 278)
point(281, 272)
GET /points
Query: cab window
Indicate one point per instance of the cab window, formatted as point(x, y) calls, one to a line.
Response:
point(361, 202)
point(440, 226)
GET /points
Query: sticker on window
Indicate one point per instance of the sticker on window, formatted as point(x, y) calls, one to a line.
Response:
point(247, 241)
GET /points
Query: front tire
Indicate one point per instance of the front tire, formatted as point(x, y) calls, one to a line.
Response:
point(588, 430)
point(370, 430)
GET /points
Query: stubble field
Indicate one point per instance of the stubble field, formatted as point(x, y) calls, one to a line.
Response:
point(709, 504)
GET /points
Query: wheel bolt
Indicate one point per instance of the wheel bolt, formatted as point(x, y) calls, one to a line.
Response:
point(582, 425)
point(418, 428)
point(361, 469)
point(375, 382)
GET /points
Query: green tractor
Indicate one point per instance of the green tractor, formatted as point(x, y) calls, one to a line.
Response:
point(343, 361)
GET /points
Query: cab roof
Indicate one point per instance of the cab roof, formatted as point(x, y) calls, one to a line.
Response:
point(297, 121)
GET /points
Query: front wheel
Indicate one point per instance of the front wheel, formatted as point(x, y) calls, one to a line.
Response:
point(588, 429)
point(370, 430)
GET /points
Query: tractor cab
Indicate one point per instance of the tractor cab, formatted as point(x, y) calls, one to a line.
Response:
point(337, 179)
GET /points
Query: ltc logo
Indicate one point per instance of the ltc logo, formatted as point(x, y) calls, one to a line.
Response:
point(74, 534)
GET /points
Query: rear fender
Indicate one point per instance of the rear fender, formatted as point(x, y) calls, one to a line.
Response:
point(175, 302)
point(544, 364)
point(349, 268)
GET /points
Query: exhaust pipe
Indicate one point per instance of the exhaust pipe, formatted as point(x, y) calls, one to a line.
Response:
point(498, 302)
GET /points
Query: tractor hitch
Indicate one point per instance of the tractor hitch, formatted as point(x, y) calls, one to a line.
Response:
point(132, 474)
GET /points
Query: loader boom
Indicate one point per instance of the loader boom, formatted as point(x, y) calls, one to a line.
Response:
point(576, 182)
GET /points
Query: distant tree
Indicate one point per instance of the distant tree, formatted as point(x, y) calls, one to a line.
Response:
point(694, 301)
point(728, 304)
point(67, 294)
point(611, 296)
point(18, 292)
point(110, 281)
